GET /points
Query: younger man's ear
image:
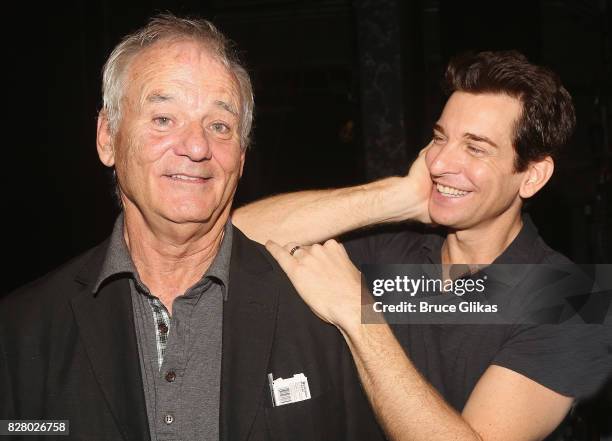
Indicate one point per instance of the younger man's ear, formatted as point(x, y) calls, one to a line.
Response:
point(537, 175)
point(104, 141)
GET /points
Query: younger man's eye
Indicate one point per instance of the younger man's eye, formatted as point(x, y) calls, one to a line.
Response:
point(475, 150)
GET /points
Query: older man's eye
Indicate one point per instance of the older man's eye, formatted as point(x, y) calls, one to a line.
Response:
point(162, 121)
point(220, 128)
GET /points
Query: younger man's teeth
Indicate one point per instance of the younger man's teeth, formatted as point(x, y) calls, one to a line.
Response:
point(450, 191)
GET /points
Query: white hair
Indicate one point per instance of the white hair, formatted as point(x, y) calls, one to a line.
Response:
point(168, 28)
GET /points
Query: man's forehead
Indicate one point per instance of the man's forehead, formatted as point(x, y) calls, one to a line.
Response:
point(166, 71)
point(490, 101)
point(491, 115)
point(179, 50)
point(161, 96)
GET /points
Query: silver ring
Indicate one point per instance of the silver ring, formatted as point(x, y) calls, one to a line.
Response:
point(294, 249)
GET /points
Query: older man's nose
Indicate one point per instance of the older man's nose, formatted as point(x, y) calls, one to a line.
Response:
point(195, 143)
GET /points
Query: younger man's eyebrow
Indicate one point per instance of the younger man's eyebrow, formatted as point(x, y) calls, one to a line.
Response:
point(480, 138)
point(472, 136)
point(437, 127)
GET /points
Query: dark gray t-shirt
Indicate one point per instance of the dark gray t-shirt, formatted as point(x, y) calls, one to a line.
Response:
point(571, 360)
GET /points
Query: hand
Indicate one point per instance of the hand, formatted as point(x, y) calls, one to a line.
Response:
point(404, 198)
point(418, 183)
point(325, 278)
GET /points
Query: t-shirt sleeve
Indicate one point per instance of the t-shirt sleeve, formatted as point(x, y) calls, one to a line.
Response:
point(382, 247)
point(361, 249)
point(573, 360)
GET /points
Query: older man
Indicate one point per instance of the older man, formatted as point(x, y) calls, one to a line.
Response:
point(178, 326)
point(492, 148)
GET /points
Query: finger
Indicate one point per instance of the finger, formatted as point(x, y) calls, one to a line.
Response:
point(293, 249)
point(336, 248)
point(330, 243)
point(281, 255)
point(343, 251)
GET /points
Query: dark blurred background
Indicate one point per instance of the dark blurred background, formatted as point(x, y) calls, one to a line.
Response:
point(346, 91)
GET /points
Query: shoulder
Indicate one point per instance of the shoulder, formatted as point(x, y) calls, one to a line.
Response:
point(549, 255)
point(573, 360)
point(250, 256)
point(44, 294)
point(530, 247)
point(397, 244)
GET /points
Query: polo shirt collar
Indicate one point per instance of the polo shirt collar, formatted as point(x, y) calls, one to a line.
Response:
point(118, 261)
point(523, 249)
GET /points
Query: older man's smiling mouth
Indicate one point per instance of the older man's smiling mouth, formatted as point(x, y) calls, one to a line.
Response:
point(188, 178)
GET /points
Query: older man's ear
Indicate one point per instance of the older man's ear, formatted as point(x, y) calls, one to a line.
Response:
point(104, 141)
point(242, 160)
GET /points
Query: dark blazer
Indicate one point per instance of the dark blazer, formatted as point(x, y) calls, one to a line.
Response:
point(66, 353)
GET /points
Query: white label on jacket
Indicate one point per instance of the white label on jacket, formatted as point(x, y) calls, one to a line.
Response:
point(290, 390)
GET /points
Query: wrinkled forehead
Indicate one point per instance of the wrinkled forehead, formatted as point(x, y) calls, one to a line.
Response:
point(494, 115)
point(186, 65)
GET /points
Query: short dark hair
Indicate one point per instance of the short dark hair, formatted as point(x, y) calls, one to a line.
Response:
point(547, 120)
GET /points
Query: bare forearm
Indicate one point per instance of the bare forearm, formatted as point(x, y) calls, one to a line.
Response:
point(408, 408)
point(314, 216)
point(503, 406)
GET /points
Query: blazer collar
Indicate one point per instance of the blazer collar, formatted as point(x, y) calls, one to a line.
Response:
point(249, 321)
point(106, 327)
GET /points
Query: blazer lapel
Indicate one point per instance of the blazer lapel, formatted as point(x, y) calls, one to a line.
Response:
point(106, 327)
point(249, 320)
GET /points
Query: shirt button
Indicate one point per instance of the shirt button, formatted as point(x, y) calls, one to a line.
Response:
point(162, 328)
point(170, 376)
point(168, 419)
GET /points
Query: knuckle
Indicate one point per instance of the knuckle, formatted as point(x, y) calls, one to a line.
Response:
point(330, 243)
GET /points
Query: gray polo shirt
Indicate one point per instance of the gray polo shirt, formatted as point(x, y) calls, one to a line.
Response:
point(180, 355)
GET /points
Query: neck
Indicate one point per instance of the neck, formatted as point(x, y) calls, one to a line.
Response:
point(481, 244)
point(171, 257)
